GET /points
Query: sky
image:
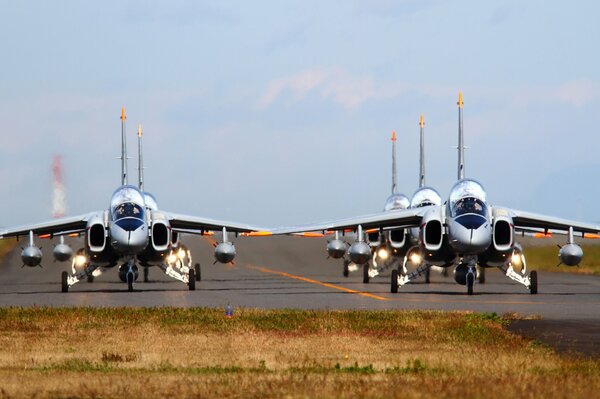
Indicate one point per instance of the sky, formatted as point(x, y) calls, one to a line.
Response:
point(280, 112)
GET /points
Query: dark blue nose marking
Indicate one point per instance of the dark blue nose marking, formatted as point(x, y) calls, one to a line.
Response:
point(471, 221)
point(129, 224)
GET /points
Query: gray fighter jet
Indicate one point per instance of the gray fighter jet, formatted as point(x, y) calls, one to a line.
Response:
point(463, 233)
point(130, 230)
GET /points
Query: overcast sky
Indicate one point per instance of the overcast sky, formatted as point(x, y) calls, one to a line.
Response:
point(281, 112)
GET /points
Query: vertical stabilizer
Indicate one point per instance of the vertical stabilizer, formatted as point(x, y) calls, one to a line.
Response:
point(123, 149)
point(461, 144)
point(140, 159)
point(422, 153)
point(394, 181)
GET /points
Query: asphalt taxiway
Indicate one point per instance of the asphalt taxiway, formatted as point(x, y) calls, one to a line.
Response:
point(291, 272)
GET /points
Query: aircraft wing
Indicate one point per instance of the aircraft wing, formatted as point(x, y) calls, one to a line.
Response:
point(191, 224)
point(401, 219)
point(68, 225)
point(523, 220)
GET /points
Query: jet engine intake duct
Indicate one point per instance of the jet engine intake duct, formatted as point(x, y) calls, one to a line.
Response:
point(174, 239)
point(160, 236)
point(97, 237)
point(503, 231)
point(397, 238)
point(373, 239)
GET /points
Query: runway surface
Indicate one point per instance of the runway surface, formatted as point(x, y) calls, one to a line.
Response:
point(290, 272)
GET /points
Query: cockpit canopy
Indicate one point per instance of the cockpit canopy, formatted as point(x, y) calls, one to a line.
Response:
point(127, 201)
point(425, 196)
point(396, 201)
point(467, 196)
point(150, 201)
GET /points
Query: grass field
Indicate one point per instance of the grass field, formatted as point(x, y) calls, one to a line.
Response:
point(166, 352)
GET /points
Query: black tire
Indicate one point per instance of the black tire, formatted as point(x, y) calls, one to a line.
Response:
point(346, 271)
point(146, 274)
point(366, 276)
point(533, 287)
point(198, 272)
point(64, 285)
point(481, 278)
point(470, 281)
point(394, 285)
point(90, 278)
point(192, 280)
point(427, 276)
point(130, 278)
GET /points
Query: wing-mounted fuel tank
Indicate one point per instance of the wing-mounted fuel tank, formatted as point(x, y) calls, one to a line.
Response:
point(571, 253)
point(225, 250)
point(360, 251)
point(336, 248)
point(503, 240)
point(62, 252)
point(31, 255)
point(160, 240)
point(433, 238)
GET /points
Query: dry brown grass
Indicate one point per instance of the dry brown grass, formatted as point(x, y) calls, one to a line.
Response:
point(281, 353)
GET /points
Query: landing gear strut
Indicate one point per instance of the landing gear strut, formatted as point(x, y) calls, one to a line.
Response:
point(366, 276)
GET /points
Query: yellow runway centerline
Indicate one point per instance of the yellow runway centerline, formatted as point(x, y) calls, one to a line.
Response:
point(309, 280)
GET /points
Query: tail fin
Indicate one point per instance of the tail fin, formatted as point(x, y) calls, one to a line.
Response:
point(422, 153)
point(123, 149)
point(140, 159)
point(461, 144)
point(394, 180)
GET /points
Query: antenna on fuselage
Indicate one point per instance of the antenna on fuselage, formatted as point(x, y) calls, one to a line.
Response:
point(461, 144)
point(140, 159)
point(394, 180)
point(123, 149)
point(422, 153)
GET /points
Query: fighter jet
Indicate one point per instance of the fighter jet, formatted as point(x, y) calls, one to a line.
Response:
point(463, 233)
point(131, 231)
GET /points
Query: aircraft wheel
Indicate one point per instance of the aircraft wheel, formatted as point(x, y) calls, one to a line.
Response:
point(533, 282)
point(64, 285)
point(198, 272)
point(130, 278)
point(346, 271)
point(90, 278)
point(192, 280)
point(470, 281)
point(427, 276)
point(366, 276)
point(481, 277)
point(394, 286)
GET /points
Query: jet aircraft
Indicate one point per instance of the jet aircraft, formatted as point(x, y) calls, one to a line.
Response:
point(464, 232)
point(131, 231)
point(390, 246)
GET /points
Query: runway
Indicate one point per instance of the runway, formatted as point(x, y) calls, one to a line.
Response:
point(290, 272)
